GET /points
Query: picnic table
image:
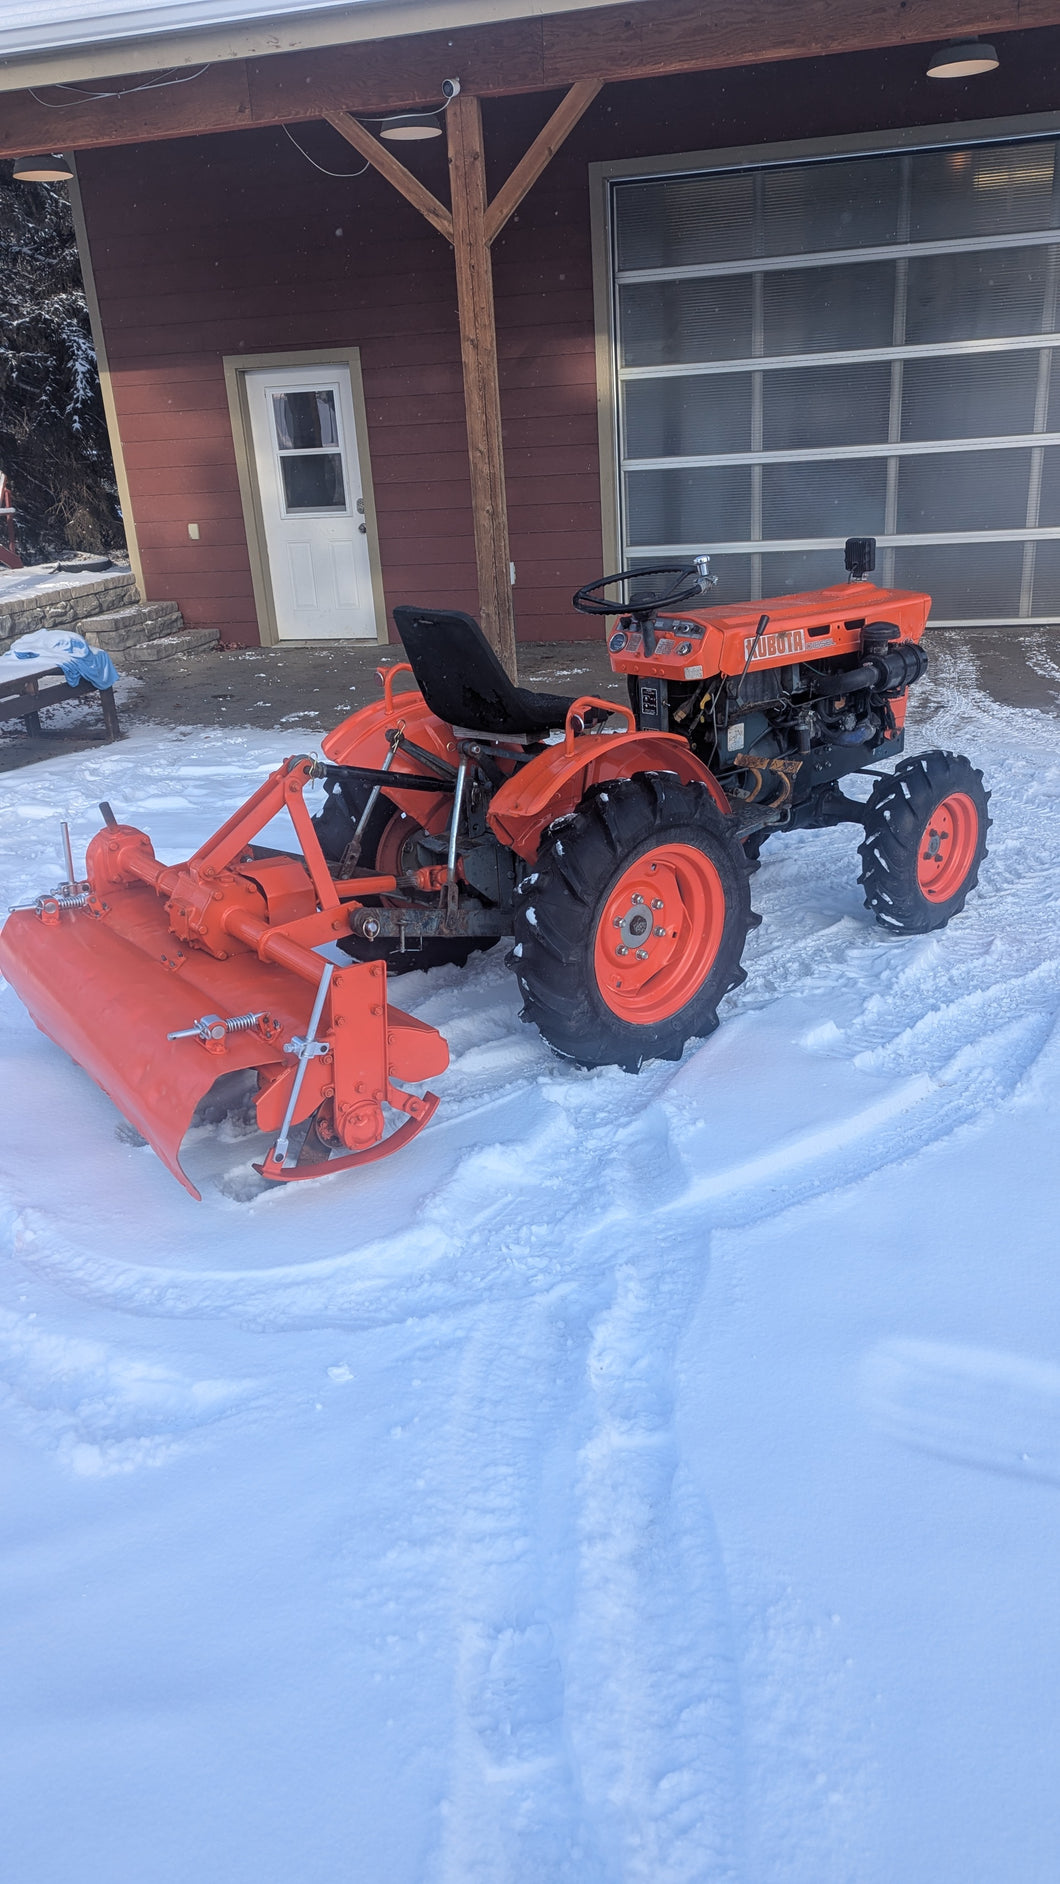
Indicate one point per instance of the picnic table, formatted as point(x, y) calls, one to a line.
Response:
point(28, 685)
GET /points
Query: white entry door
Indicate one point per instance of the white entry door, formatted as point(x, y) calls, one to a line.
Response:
point(316, 540)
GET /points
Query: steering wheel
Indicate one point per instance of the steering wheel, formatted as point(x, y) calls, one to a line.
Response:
point(589, 601)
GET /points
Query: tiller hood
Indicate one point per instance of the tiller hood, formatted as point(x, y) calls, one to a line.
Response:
point(160, 979)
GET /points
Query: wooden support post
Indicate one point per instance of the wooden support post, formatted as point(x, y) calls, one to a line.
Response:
point(478, 348)
point(471, 228)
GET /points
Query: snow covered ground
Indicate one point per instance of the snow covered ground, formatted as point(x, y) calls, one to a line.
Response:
point(636, 1481)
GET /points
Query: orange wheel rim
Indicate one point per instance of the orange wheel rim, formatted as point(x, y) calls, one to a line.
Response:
point(659, 933)
point(947, 848)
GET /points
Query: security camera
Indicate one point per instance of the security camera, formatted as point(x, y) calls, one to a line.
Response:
point(450, 88)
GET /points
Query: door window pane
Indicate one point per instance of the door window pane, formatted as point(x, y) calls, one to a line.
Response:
point(305, 421)
point(313, 482)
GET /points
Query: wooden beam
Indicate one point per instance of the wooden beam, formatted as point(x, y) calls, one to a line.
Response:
point(478, 350)
point(649, 39)
point(388, 166)
point(540, 154)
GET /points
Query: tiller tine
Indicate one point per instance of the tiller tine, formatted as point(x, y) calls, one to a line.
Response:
point(126, 972)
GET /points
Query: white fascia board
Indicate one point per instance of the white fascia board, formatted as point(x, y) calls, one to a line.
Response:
point(47, 42)
point(44, 27)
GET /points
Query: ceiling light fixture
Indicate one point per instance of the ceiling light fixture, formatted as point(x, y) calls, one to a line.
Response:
point(964, 58)
point(410, 127)
point(46, 169)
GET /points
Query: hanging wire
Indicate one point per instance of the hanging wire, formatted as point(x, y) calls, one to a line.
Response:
point(320, 167)
point(173, 76)
point(419, 111)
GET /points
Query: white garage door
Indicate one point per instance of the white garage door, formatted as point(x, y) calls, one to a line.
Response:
point(860, 346)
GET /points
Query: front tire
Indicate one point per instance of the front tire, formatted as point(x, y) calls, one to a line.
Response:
point(925, 838)
point(631, 928)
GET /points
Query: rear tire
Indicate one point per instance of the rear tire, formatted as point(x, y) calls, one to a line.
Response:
point(631, 928)
point(925, 838)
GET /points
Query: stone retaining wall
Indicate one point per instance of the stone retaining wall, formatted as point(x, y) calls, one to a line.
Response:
point(69, 607)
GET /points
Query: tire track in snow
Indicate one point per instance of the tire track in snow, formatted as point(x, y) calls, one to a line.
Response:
point(514, 1808)
point(584, 1746)
point(978, 1406)
point(100, 1408)
point(655, 1678)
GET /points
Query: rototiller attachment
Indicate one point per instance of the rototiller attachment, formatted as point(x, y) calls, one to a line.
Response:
point(160, 980)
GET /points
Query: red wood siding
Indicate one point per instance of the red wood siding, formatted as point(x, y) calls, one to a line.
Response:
point(225, 245)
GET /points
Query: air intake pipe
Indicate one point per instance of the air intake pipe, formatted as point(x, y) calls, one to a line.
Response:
point(885, 670)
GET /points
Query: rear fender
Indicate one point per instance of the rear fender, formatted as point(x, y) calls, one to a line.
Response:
point(554, 783)
point(362, 740)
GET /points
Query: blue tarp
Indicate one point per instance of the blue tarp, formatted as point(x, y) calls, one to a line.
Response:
point(70, 652)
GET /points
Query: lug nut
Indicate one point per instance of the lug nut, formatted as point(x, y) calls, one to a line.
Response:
point(656, 902)
point(637, 898)
point(642, 955)
point(622, 951)
point(658, 930)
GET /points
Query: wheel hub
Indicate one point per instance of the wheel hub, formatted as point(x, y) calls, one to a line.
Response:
point(947, 848)
point(658, 933)
point(638, 922)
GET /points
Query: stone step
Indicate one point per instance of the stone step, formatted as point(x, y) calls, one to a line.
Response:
point(129, 628)
point(168, 651)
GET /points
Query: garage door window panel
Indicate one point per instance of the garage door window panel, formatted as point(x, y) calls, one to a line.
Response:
point(964, 580)
point(806, 500)
point(689, 505)
point(1046, 590)
point(679, 417)
point(970, 396)
point(826, 405)
point(781, 389)
point(963, 491)
point(856, 204)
point(676, 323)
point(976, 296)
point(685, 221)
point(828, 309)
point(982, 191)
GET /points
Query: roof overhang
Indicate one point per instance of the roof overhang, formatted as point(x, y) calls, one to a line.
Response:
point(72, 46)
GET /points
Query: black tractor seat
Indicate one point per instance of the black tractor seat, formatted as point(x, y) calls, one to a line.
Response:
point(465, 684)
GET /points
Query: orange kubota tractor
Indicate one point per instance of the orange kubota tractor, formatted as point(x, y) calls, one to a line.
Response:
point(465, 808)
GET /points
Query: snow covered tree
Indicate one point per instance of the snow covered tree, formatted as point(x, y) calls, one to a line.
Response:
point(53, 435)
